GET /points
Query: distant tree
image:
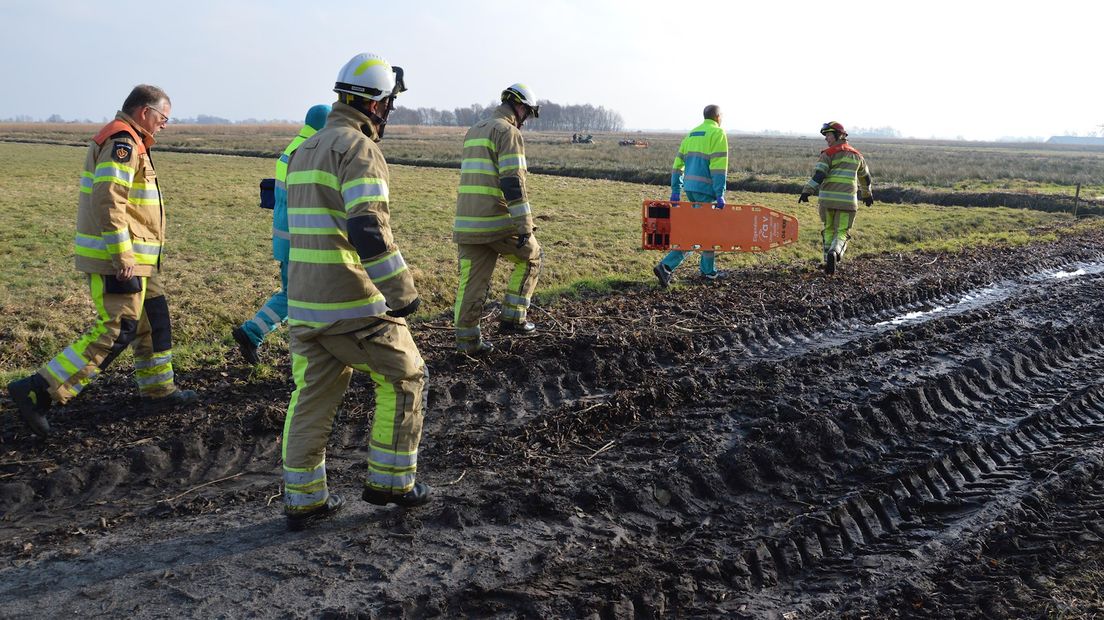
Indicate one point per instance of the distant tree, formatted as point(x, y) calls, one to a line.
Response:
point(55, 118)
point(554, 117)
point(875, 132)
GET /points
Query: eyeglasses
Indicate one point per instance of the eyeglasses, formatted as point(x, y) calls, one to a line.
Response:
point(164, 119)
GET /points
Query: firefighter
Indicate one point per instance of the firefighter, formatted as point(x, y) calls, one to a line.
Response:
point(120, 232)
point(493, 219)
point(703, 156)
point(273, 313)
point(348, 291)
point(839, 174)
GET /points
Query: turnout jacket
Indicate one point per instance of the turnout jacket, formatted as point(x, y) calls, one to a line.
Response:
point(492, 201)
point(120, 218)
point(343, 264)
point(703, 155)
point(839, 172)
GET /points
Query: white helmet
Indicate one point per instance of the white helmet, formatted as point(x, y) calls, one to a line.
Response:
point(371, 77)
point(523, 95)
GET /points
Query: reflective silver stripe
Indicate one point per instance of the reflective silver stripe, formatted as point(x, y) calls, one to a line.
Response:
point(302, 478)
point(390, 266)
point(143, 194)
point(92, 243)
point(517, 300)
point(119, 236)
point(104, 172)
point(520, 210)
point(165, 358)
point(164, 377)
point(329, 316)
point(312, 221)
point(59, 371)
point(388, 481)
point(362, 190)
point(260, 325)
point(492, 223)
point(706, 180)
point(390, 459)
point(86, 183)
point(280, 184)
point(147, 248)
point(513, 312)
point(467, 333)
point(281, 234)
point(270, 314)
point(469, 165)
point(512, 161)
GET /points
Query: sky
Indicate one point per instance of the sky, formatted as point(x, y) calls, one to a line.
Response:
point(971, 69)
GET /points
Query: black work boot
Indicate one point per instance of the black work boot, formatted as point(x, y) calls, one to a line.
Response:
point(298, 520)
point(178, 398)
point(246, 346)
point(32, 397)
point(414, 497)
point(663, 274)
point(525, 327)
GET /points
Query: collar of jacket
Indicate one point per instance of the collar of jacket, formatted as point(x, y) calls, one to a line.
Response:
point(347, 115)
point(147, 137)
point(840, 146)
point(505, 111)
point(709, 123)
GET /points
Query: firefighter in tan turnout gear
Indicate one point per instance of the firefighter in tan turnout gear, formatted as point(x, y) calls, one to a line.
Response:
point(120, 231)
point(348, 289)
point(493, 219)
point(840, 173)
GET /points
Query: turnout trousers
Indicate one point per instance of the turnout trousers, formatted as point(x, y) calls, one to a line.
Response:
point(837, 229)
point(123, 318)
point(322, 365)
point(477, 263)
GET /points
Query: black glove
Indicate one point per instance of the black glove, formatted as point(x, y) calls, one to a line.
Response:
point(868, 200)
point(803, 198)
point(409, 309)
point(522, 240)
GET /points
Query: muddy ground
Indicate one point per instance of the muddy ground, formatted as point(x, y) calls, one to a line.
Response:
point(918, 436)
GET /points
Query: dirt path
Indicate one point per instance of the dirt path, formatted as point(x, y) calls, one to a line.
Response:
point(919, 435)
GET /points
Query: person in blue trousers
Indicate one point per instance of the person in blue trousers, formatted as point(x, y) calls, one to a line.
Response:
point(700, 168)
point(274, 312)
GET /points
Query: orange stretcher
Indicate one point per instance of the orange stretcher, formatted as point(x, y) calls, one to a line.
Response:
point(690, 226)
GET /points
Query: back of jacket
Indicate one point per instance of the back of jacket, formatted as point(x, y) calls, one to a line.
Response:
point(336, 176)
point(492, 201)
point(844, 171)
point(703, 155)
point(120, 219)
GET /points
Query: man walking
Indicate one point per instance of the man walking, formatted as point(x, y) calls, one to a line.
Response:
point(703, 156)
point(493, 219)
point(273, 313)
point(348, 289)
point(839, 174)
point(120, 232)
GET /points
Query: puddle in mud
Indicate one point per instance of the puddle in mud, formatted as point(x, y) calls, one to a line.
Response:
point(841, 335)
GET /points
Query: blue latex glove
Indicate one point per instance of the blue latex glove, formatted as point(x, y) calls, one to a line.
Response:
point(674, 197)
point(720, 202)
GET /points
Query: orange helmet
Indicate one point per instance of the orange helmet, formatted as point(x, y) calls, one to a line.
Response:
point(834, 127)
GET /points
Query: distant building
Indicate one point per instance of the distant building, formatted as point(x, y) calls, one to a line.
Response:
point(1080, 140)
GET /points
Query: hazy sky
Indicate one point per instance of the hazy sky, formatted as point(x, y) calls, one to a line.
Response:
point(972, 69)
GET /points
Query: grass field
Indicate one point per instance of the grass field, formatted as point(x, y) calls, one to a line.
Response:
point(218, 266)
point(932, 164)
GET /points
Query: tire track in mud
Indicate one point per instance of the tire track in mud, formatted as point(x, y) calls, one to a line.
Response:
point(985, 395)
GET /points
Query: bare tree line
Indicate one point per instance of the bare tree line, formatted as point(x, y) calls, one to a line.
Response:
point(553, 117)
